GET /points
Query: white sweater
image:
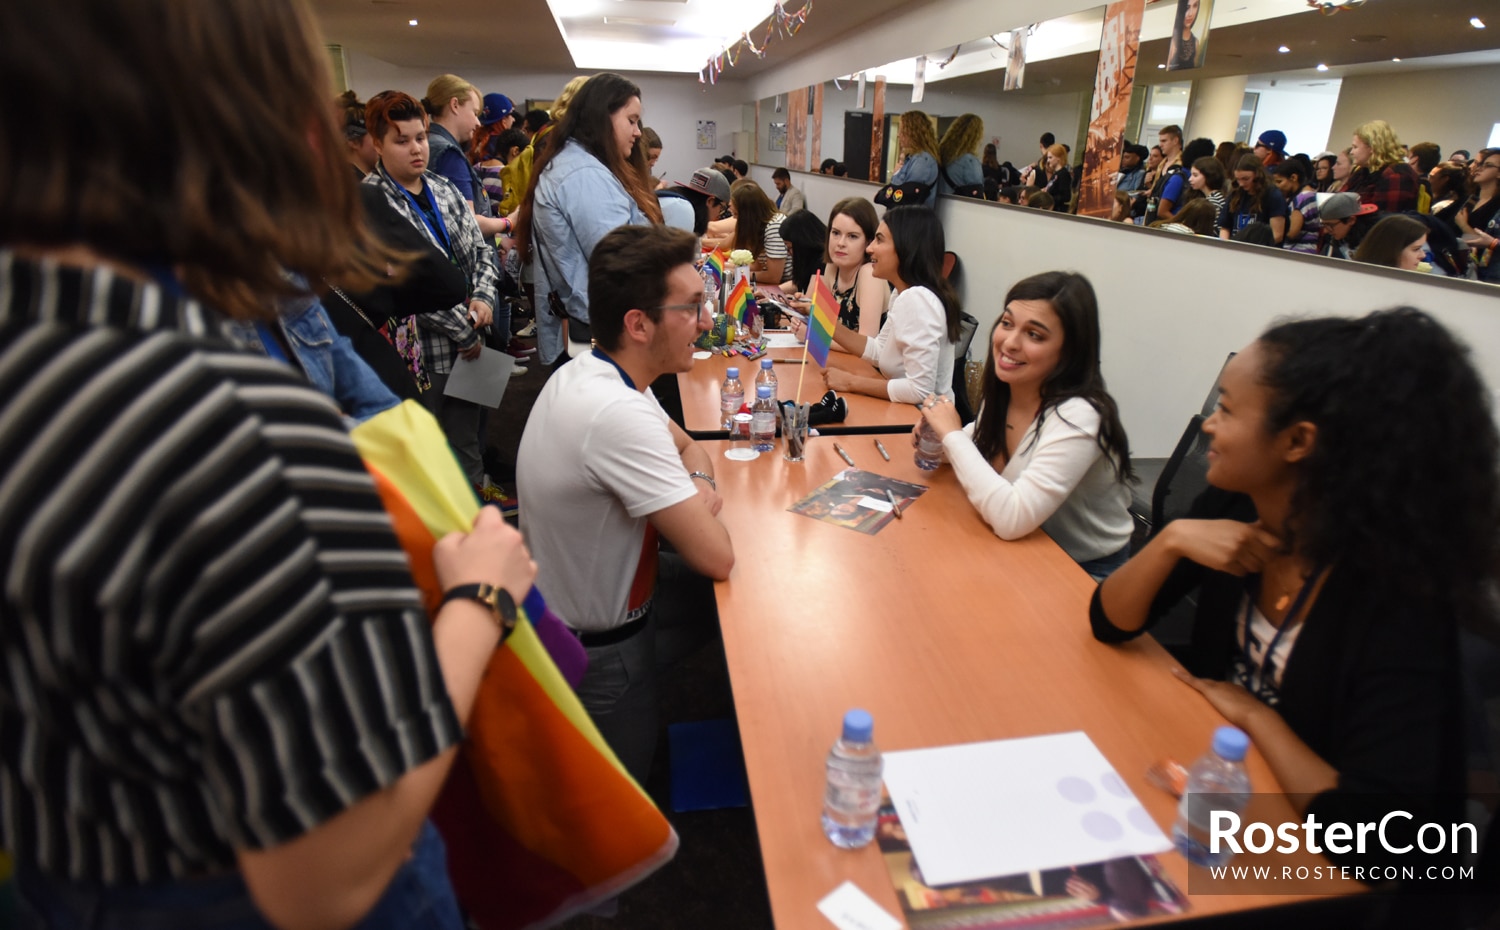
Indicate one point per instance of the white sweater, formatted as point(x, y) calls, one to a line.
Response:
point(912, 348)
point(1059, 479)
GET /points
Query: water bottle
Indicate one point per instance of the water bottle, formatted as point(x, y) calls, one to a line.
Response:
point(853, 794)
point(731, 396)
point(763, 419)
point(767, 376)
point(1217, 781)
point(929, 448)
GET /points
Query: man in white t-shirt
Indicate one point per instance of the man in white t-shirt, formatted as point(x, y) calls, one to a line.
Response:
point(604, 473)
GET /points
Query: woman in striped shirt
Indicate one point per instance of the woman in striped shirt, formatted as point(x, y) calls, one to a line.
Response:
point(221, 702)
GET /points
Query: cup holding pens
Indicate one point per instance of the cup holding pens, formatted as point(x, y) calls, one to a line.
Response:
point(794, 430)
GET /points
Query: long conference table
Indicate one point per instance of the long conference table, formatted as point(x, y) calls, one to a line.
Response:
point(947, 635)
point(699, 388)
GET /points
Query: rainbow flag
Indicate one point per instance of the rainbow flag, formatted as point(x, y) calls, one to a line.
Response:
point(741, 301)
point(715, 265)
point(821, 319)
point(540, 819)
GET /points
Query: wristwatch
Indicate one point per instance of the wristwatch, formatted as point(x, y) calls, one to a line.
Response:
point(706, 477)
point(497, 599)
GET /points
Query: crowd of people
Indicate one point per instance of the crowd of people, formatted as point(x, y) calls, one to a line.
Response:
point(222, 700)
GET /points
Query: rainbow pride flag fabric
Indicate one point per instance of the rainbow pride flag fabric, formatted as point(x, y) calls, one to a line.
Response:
point(715, 264)
point(741, 302)
point(540, 819)
point(821, 319)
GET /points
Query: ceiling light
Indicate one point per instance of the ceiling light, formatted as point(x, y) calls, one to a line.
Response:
point(1395, 59)
point(1161, 67)
point(411, 22)
point(1283, 50)
point(1322, 67)
point(1476, 22)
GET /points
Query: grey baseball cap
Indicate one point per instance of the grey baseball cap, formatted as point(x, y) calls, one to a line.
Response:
point(708, 181)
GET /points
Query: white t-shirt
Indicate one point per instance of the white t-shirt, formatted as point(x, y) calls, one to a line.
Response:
point(1059, 479)
point(596, 457)
point(912, 348)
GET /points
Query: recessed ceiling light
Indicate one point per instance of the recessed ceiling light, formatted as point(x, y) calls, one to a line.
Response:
point(1283, 50)
point(1476, 22)
point(1395, 59)
point(411, 22)
point(1322, 67)
point(1161, 67)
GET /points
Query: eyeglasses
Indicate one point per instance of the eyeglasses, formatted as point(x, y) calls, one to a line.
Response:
point(1488, 165)
point(697, 309)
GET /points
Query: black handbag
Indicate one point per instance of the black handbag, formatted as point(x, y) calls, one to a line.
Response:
point(967, 190)
point(894, 195)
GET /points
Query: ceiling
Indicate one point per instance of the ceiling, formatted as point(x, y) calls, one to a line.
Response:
point(525, 36)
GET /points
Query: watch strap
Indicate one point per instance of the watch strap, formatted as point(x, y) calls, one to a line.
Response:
point(496, 598)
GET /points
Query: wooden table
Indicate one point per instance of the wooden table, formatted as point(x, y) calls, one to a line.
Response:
point(946, 634)
point(700, 393)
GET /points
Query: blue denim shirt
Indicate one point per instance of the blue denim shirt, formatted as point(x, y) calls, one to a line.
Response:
point(578, 201)
point(919, 168)
point(325, 356)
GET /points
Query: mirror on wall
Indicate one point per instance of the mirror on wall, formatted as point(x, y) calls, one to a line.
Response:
point(1246, 68)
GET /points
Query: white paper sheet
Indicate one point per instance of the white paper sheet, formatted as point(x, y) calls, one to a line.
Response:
point(851, 909)
point(483, 380)
point(1044, 802)
point(782, 341)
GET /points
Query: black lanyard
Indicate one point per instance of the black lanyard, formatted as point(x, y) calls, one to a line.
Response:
point(1268, 668)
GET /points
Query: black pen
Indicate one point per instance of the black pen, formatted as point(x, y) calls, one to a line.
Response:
point(895, 504)
point(843, 455)
point(880, 447)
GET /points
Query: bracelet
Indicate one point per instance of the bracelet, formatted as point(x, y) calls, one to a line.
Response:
point(706, 477)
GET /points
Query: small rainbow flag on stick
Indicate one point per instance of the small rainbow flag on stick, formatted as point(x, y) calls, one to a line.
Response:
point(715, 265)
point(821, 321)
point(740, 302)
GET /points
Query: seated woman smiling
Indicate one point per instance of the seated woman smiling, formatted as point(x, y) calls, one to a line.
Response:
point(1047, 449)
point(914, 349)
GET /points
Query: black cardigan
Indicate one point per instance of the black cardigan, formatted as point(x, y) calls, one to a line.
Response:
point(1373, 684)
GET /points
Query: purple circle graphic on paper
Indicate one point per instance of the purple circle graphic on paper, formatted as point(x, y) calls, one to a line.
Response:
point(1102, 826)
point(1115, 785)
point(1076, 790)
point(1141, 820)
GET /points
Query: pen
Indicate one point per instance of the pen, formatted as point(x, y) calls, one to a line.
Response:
point(895, 504)
point(880, 447)
point(843, 455)
point(789, 361)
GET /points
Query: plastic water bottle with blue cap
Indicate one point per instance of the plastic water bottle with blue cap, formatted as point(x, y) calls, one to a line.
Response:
point(852, 797)
point(1217, 782)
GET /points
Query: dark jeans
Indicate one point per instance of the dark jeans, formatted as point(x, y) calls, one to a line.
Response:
point(463, 424)
point(419, 898)
point(619, 688)
point(1102, 567)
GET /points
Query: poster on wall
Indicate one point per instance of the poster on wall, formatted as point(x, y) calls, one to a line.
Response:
point(778, 137)
point(1189, 45)
point(1113, 83)
point(1015, 65)
point(707, 134)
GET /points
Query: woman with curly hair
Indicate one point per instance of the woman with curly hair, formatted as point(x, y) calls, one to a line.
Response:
point(961, 170)
point(919, 155)
point(1333, 588)
point(1381, 175)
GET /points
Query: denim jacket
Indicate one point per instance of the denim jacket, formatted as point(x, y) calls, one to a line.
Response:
point(577, 202)
point(919, 168)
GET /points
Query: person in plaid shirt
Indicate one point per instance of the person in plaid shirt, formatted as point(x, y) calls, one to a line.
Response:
point(1381, 175)
point(435, 207)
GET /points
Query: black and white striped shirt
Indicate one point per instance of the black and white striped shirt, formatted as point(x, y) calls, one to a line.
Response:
point(209, 636)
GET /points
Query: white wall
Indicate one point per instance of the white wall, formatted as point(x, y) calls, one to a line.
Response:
point(1304, 113)
point(1165, 335)
point(1454, 107)
point(672, 104)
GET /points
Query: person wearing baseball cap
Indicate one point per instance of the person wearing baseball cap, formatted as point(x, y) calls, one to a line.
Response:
point(1339, 214)
point(707, 192)
point(1271, 147)
point(497, 109)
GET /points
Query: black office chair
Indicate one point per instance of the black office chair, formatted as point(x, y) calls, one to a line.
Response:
point(967, 326)
point(1150, 471)
point(1183, 478)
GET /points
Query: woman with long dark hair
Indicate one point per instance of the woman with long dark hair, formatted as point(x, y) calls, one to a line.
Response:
point(1332, 585)
point(806, 237)
point(1183, 50)
point(1397, 241)
point(1254, 200)
point(589, 177)
point(1048, 449)
point(914, 349)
